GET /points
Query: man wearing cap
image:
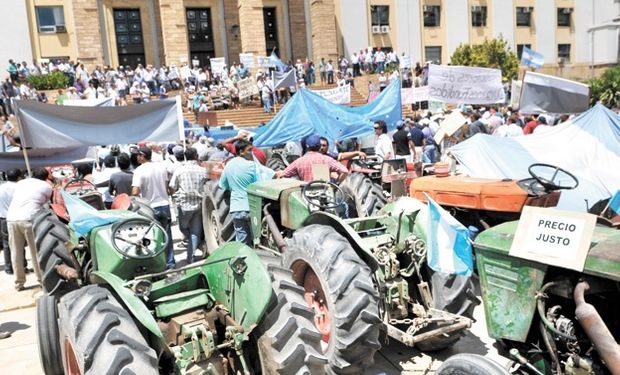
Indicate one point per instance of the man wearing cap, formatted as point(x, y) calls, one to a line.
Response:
point(150, 180)
point(302, 167)
point(402, 144)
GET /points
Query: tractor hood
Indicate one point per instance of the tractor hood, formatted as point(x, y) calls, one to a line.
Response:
point(603, 258)
point(271, 189)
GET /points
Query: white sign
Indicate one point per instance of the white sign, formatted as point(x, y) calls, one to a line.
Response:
point(465, 85)
point(263, 61)
point(218, 64)
point(405, 62)
point(247, 87)
point(515, 93)
point(554, 237)
point(195, 62)
point(338, 95)
point(414, 95)
point(247, 59)
point(450, 124)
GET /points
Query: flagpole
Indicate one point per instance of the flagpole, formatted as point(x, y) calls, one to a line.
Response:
point(21, 138)
point(273, 84)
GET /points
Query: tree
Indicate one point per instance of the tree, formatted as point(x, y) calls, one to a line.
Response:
point(495, 53)
point(606, 89)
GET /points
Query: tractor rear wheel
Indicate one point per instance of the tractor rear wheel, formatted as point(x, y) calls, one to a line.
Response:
point(48, 339)
point(216, 219)
point(468, 364)
point(364, 197)
point(98, 335)
point(339, 287)
point(276, 163)
point(51, 234)
point(287, 340)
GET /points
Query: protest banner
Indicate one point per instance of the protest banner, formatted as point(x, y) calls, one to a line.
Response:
point(338, 95)
point(218, 64)
point(465, 85)
point(414, 95)
point(264, 61)
point(405, 62)
point(515, 93)
point(247, 59)
point(450, 124)
point(247, 87)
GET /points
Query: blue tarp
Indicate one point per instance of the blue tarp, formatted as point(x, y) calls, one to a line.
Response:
point(587, 146)
point(308, 113)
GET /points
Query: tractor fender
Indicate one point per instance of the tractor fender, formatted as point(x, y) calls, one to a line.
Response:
point(345, 230)
point(136, 307)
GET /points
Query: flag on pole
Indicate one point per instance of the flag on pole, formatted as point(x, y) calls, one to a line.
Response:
point(531, 58)
point(275, 61)
point(283, 79)
point(447, 242)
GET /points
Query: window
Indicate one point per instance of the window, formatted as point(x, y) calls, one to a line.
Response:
point(524, 16)
point(520, 49)
point(563, 53)
point(50, 19)
point(433, 54)
point(432, 16)
point(479, 16)
point(564, 17)
point(380, 15)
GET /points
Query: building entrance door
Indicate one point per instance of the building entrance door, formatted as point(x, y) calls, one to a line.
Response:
point(271, 31)
point(200, 35)
point(129, 41)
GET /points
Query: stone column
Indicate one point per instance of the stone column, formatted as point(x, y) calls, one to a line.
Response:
point(298, 29)
point(231, 19)
point(88, 40)
point(324, 37)
point(252, 31)
point(173, 31)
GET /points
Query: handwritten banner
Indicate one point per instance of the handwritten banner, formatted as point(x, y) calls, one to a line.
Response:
point(218, 65)
point(338, 95)
point(247, 87)
point(515, 93)
point(465, 85)
point(414, 95)
point(247, 59)
point(264, 62)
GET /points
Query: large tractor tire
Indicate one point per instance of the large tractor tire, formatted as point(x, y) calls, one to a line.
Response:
point(48, 339)
point(470, 364)
point(456, 295)
point(276, 163)
point(287, 340)
point(339, 287)
point(364, 197)
point(98, 335)
point(217, 221)
point(50, 235)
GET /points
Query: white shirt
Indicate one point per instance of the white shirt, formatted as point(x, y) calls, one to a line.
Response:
point(29, 196)
point(152, 179)
point(384, 146)
point(510, 130)
point(6, 195)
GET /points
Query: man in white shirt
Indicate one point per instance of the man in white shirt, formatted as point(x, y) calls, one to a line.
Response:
point(510, 129)
point(6, 195)
point(383, 148)
point(29, 196)
point(150, 180)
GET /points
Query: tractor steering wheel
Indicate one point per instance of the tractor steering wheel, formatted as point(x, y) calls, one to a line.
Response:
point(139, 238)
point(316, 194)
point(370, 162)
point(552, 178)
point(79, 186)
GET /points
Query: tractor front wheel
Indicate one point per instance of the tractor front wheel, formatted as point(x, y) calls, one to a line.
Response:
point(467, 364)
point(216, 219)
point(339, 288)
point(97, 335)
point(364, 197)
point(48, 340)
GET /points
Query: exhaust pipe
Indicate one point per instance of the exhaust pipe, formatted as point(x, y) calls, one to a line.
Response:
point(596, 329)
point(275, 231)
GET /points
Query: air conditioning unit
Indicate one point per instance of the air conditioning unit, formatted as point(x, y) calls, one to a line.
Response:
point(476, 8)
point(562, 60)
point(60, 29)
point(567, 10)
point(376, 29)
point(527, 10)
point(385, 29)
point(426, 8)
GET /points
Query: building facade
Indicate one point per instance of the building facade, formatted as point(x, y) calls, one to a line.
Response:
point(573, 35)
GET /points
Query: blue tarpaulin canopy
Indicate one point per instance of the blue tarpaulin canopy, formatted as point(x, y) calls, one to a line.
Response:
point(308, 113)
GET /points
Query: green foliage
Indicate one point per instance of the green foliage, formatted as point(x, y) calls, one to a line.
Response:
point(606, 89)
point(55, 80)
point(493, 53)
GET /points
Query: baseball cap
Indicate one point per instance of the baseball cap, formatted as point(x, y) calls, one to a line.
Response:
point(145, 151)
point(400, 124)
point(313, 141)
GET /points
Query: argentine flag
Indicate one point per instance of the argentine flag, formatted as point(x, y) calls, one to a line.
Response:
point(447, 242)
point(531, 58)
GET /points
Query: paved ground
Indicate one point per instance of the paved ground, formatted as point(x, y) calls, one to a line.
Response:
point(19, 353)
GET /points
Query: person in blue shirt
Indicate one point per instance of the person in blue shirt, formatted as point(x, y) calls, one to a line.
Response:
point(237, 175)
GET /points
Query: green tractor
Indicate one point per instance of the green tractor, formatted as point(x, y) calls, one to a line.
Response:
point(549, 319)
point(110, 306)
point(365, 278)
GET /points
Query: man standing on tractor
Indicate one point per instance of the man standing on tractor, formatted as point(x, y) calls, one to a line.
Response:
point(237, 175)
point(383, 148)
point(150, 180)
point(302, 167)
